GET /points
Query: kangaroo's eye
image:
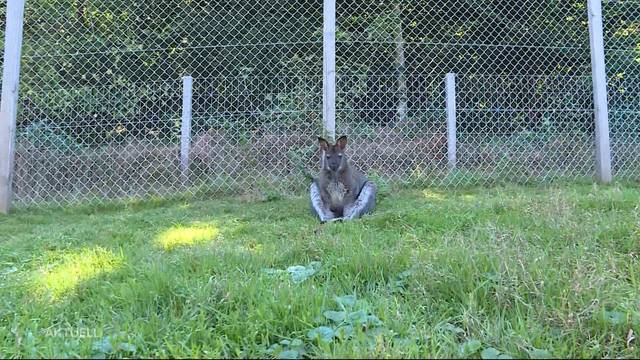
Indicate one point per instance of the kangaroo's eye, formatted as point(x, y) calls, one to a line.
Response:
point(328, 156)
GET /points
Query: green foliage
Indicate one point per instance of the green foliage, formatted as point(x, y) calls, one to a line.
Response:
point(470, 347)
point(43, 134)
point(298, 273)
point(287, 349)
point(321, 334)
point(335, 316)
point(301, 273)
point(539, 354)
point(346, 301)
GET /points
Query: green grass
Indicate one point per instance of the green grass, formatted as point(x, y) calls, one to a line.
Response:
point(528, 271)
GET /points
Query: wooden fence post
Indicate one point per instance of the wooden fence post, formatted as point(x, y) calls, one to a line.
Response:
point(185, 128)
point(329, 69)
point(600, 104)
point(450, 81)
point(9, 101)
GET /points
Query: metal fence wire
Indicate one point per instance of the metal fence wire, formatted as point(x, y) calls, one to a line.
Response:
point(621, 21)
point(101, 93)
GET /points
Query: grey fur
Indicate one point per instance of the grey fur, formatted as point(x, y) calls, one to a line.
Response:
point(317, 206)
point(340, 191)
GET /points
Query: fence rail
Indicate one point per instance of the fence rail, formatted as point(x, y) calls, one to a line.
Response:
point(101, 111)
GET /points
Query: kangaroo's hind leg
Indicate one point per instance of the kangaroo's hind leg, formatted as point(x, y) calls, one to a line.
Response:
point(319, 208)
point(365, 202)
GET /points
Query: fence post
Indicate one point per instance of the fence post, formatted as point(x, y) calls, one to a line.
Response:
point(450, 81)
point(9, 101)
point(185, 128)
point(600, 105)
point(329, 69)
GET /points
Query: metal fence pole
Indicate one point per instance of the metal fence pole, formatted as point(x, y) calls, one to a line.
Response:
point(450, 81)
point(600, 105)
point(329, 69)
point(185, 129)
point(9, 102)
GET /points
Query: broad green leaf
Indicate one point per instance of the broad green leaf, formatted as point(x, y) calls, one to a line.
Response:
point(490, 353)
point(335, 316)
point(454, 329)
point(358, 317)
point(540, 354)
point(505, 356)
point(470, 347)
point(322, 333)
point(103, 346)
point(296, 343)
point(288, 354)
point(373, 320)
point(345, 332)
point(346, 300)
point(615, 317)
point(273, 348)
point(296, 268)
point(127, 347)
point(301, 273)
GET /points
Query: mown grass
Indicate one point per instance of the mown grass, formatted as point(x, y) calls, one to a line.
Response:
point(527, 271)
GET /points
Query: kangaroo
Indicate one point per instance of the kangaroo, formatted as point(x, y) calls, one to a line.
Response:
point(340, 191)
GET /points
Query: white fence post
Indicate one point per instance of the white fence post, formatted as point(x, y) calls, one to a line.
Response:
point(9, 101)
point(185, 128)
point(450, 81)
point(329, 69)
point(600, 105)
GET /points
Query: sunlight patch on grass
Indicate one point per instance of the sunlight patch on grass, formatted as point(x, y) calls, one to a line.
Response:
point(186, 235)
point(62, 278)
point(431, 195)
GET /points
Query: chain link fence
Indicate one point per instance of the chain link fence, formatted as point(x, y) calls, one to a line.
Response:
point(101, 97)
point(621, 21)
point(101, 93)
point(524, 98)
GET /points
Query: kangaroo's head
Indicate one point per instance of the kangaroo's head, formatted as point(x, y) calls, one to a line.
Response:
point(333, 156)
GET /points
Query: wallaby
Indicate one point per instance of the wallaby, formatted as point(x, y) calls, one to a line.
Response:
point(340, 191)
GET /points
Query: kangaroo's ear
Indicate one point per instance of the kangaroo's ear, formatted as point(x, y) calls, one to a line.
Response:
point(324, 145)
point(341, 143)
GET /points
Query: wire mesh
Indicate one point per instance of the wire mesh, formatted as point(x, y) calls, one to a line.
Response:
point(101, 93)
point(523, 98)
point(622, 50)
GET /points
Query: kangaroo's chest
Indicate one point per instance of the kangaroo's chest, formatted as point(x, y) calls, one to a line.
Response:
point(337, 191)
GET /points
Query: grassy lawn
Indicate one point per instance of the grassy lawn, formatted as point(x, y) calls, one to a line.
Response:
point(511, 271)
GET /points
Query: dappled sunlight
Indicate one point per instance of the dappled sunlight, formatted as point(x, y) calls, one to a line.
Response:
point(63, 278)
point(182, 235)
point(431, 195)
point(468, 197)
